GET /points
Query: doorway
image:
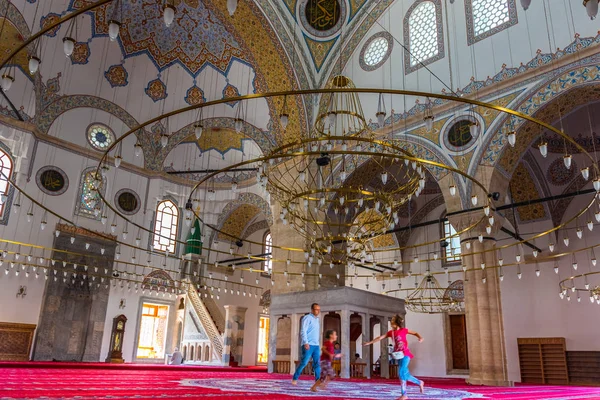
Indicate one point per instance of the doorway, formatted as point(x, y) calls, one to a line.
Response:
point(153, 331)
point(457, 344)
point(262, 349)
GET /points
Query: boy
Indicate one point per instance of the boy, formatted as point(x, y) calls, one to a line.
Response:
point(327, 356)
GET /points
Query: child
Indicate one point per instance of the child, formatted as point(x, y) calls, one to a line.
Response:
point(401, 353)
point(327, 356)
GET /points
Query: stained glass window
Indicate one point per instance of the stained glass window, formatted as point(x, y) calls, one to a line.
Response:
point(268, 249)
point(452, 250)
point(89, 203)
point(100, 136)
point(6, 167)
point(487, 17)
point(165, 226)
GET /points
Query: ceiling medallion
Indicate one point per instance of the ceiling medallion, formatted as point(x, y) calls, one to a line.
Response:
point(322, 18)
point(52, 180)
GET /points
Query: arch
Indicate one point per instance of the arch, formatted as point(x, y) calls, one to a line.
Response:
point(455, 291)
point(184, 353)
point(268, 248)
point(574, 86)
point(206, 352)
point(166, 226)
point(157, 279)
point(192, 352)
point(423, 34)
point(89, 204)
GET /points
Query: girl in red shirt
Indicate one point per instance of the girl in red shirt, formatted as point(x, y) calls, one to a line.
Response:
point(327, 356)
point(401, 352)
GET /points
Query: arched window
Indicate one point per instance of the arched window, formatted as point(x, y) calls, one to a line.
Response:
point(89, 204)
point(487, 17)
point(423, 34)
point(452, 251)
point(165, 226)
point(268, 248)
point(6, 166)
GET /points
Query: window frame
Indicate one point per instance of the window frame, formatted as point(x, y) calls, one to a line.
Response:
point(102, 189)
point(156, 234)
point(456, 259)
point(440, 37)
point(390, 43)
point(267, 249)
point(513, 19)
point(8, 190)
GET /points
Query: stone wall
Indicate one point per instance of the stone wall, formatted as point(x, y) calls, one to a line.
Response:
point(72, 317)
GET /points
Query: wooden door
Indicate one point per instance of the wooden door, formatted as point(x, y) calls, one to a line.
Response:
point(458, 335)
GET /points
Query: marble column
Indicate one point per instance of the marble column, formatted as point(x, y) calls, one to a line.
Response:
point(385, 361)
point(295, 342)
point(235, 317)
point(272, 341)
point(483, 310)
point(366, 337)
point(345, 337)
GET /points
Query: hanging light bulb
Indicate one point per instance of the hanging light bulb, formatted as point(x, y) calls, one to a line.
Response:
point(543, 146)
point(6, 82)
point(579, 233)
point(597, 216)
point(118, 160)
point(551, 247)
point(537, 272)
point(591, 6)
point(113, 29)
point(566, 241)
point(491, 220)
point(590, 225)
point(428, 120)
point(585, 173)
point(164, 140)
point(525, 4)
point(232, 6)
point(567, 159)
point(518, 257)
point(452, 189)
point(468, 245)
point(519, 275)
point(137, 149)
point(474, 199)
point(34, 64)
point(488, 229)
point(384, 177)
point(556, 268)
point(480, 238)
point(500, 261)
point(474, 129)
point(239, 125)
point(512, 138)
point(68, 46)
point(169, 14)
point(594, 261)
point(596, 183)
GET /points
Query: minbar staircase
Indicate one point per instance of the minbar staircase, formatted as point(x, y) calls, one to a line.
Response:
point(213, 322)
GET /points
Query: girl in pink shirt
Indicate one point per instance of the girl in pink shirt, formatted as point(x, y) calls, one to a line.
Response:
point(401, 350)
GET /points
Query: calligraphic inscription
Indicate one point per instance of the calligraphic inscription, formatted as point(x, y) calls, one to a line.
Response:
point(459, 134)
point(127, 201)
point(323, 15)
point(52, 180)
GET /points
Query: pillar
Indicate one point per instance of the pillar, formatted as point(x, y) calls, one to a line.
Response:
point(272, 341)
point(366, 352)
point(295, 342)
point(385, 361)
point(483, 310)
point(235, 317)
point(345, 336)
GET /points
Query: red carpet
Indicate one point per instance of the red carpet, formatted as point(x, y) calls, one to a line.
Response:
point(156, 382)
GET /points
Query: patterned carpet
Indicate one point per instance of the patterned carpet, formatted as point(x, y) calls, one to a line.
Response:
point(82, 383)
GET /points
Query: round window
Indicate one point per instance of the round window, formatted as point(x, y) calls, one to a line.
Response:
point(376, 51)
point(100, 136)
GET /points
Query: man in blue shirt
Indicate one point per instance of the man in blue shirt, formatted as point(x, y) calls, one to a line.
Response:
point(310, 330)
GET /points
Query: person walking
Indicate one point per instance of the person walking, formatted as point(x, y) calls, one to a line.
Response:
point(310, 330)
point(401, 353)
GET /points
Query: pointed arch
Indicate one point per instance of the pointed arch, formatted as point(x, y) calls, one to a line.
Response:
point(89, 203)
point(166, 226)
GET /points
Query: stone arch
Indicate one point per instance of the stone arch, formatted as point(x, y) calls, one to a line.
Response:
point(157, 280)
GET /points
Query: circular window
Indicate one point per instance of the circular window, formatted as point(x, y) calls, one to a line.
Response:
point(100, 136)
point(52, 180)
point(322, 18)
point(127, 201)
point(376, 51)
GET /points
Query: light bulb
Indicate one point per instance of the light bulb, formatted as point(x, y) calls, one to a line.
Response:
point(34, 64)
point(575, 266)
point(72, 239)
point(468, 245)
point(594, 261)
point(384, 178)
point(579, 233)
point(501, 277)
point(566, 241)
point(68, 46)
point(556, 269)
point(482, 265)
point(43, 225)
point(592, 8)
point(6, 82)
point(452, 190)
point(543, 146)
point(480, 238)
point(537, 272)
point(428, 123)
point(500, 261)
point(519, 275)
point(551, 247)
point(284, 119)
point(590, 225)
point(491, 220)
point(488, 229)
point(232, 6)
point(168, 14)
point(535, 253)
point(474, 199)
point(164, 140)
point(118, 160)
point(585, 173)
point(567, 159)
point(137, 149)
point(474, 129)
point(596, 183)
point(518, 258)
point(239, 125)
point(113, 29)
point(486, 211)
point(512, 138)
